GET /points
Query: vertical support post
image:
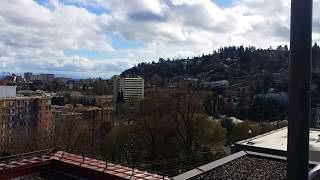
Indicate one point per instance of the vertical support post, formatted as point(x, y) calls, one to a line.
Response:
point(93, 114)
point(299, 89)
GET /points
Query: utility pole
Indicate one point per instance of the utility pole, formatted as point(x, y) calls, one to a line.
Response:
point(93, 121)
point(299, 89)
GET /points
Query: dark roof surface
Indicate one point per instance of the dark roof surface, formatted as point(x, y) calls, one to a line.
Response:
point(246, 167)
point(242, 165)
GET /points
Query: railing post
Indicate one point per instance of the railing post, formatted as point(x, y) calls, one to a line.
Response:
point(11, 173)
point(299, 89)
point(41, 156)
point(132, 172)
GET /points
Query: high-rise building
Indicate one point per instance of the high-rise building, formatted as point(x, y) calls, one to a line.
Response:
point(39, 77)
point(28, 76)
point(46, 77)
point(131, 90)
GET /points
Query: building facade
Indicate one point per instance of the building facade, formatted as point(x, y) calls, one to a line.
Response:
point(28, 76)
point(8, 91)
point(39, 77)
point(25, 114)
point(131, 90)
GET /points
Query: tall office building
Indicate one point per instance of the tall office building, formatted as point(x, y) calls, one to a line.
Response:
point(131, 90)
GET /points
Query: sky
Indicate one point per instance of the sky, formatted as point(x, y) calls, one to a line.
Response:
point(100, 38)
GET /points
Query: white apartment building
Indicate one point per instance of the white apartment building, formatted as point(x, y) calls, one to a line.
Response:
point(131, 89)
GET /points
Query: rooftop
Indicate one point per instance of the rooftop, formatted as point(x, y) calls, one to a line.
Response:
point(25, 97)
point(242, 165)
point(48, 163)
point(277, 141)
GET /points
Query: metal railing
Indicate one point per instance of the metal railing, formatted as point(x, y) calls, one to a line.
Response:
point(314, 173)
point(48, 154)
point(81, 159)
point(39, 154)
point(7, 161)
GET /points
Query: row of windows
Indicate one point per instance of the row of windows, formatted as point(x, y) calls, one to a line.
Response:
point(135, 95)
point(19, 124)
point(25, 110)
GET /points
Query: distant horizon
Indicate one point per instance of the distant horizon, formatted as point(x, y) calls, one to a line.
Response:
point(56, 75)
point(72, 75)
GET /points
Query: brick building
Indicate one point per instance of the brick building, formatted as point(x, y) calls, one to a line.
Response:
point(25, 114)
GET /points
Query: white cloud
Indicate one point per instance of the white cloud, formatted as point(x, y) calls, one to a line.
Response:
point(36, 37)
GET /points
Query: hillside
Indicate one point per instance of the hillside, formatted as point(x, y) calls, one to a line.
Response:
point(225, 63)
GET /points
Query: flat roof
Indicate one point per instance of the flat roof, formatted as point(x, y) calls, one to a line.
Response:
point(242, 165)
point(277, 140)
point(25, 97)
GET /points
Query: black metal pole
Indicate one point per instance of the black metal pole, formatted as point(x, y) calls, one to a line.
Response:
point(93, 121)
point(299, 89)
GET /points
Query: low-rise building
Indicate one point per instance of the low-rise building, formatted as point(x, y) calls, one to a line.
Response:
point(275, 142)
point(242, 165)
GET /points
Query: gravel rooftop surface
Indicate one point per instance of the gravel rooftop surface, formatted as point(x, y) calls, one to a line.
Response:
point(246, 167)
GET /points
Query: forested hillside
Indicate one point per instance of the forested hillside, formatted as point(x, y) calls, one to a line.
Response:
point(224, 63)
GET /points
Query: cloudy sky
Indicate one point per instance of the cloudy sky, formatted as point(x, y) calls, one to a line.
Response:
point(99, 38)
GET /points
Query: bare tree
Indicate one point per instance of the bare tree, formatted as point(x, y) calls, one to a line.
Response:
point(72, 134)
point(187, 111)
point(154, 127)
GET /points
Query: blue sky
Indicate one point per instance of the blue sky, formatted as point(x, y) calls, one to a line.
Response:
point(118, 42)
point(100, 38)
point(223, 3)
